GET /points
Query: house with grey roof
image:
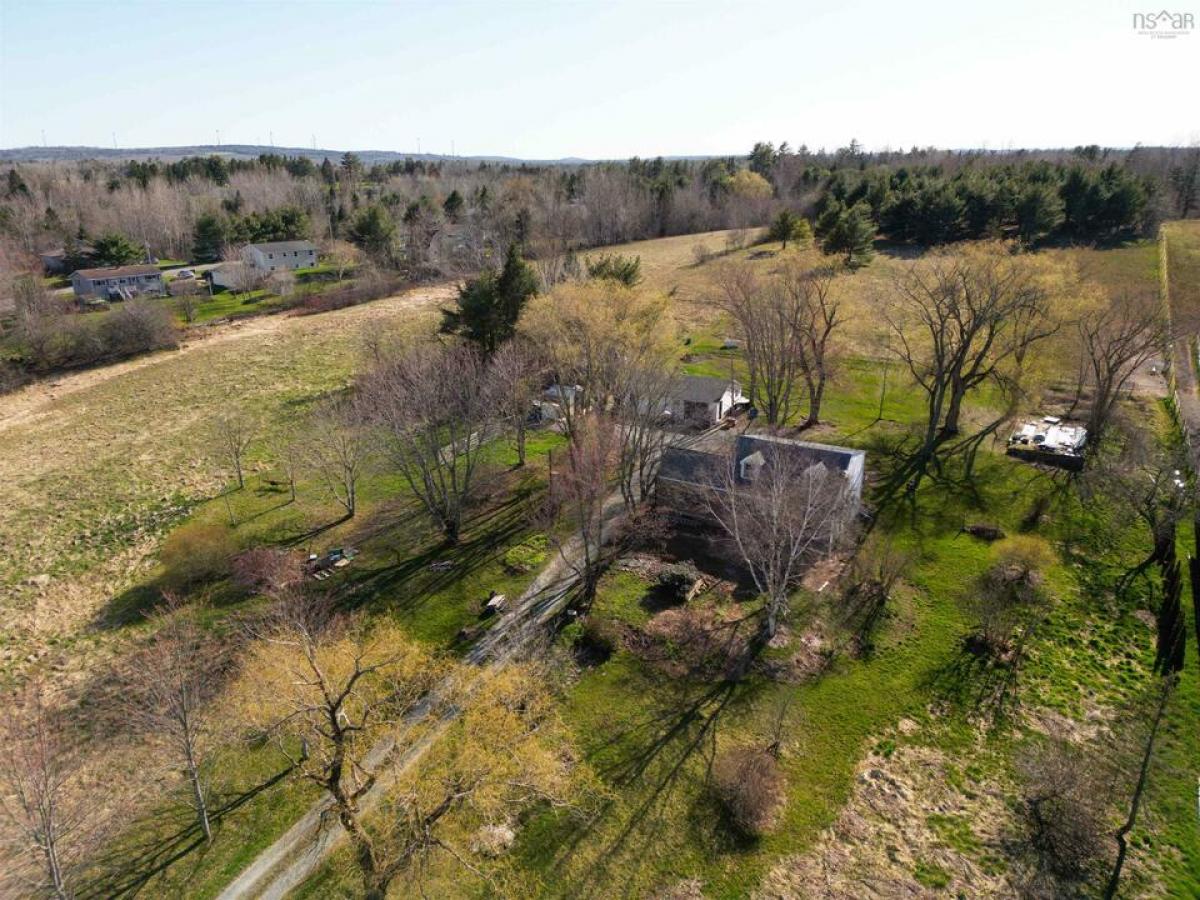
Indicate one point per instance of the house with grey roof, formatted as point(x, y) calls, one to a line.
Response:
point(277, 255)
point(723, 462)
point(118, 282)
point(703, 401)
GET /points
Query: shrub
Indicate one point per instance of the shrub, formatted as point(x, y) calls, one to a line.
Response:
point(1010, 592)
point(197, 552)
point(750, 785)
point(677, 579)
point(267, 569)
point(137, 326)
point(526, 556)
point(1063, 809)
point(625, 269)
point(572, 633)
point(701, 253)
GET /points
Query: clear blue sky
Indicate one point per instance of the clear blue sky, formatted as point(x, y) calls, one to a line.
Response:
point(613, 79)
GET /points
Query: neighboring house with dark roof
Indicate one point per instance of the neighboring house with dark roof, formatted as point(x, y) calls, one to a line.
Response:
point(276, 255)
point(685, 474)
point(703, 400)
point(118, 282)
point(54, 262)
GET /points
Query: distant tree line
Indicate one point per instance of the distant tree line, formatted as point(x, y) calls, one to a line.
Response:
point(1037, 200)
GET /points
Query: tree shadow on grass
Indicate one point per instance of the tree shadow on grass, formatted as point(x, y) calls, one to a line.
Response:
point(126, 870)
point(653, 760)
point(437, 566)
point(972, 682)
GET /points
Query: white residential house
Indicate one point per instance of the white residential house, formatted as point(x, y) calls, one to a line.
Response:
point(703, 400)
point(280, 255)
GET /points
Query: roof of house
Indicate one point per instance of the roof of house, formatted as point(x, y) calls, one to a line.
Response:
point(118, 271)
point(836, 458)
point(691, 466)
point(703, 388)
point(284, 246)
point(704, 468)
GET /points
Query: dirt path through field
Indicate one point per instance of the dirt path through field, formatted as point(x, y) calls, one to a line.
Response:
point(22, 405)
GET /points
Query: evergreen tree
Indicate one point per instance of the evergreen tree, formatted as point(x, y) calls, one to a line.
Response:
point(373, 230)
point(490, 305)
point(351, 166)
point(115, 249)
point(939, 215)
point(453, 206)
point(16, 184)
point(1039, 212)
point(854, 235)
point(762, 159)
point(788, 226)
point(209, 237)
point(625, 269)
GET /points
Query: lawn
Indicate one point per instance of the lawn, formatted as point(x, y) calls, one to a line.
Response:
point(224, 304)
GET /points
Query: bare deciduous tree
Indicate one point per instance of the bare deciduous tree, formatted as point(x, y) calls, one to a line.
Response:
point(432, 406)
point(782, 513)
point(765, 314)
point(752, 787)
point(328, 690)
point(591, 335)
point(579, 486)
point(49, 807)
point(341, 256)
point(235, 432)
point(187, 299)
point(815, 309)
point(325, 690)
point(1063, 810)
point(1116, 341)
point(958, 323)
point(515, 376)
point(171, 684)
point(337, 449)
point(646, 392)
